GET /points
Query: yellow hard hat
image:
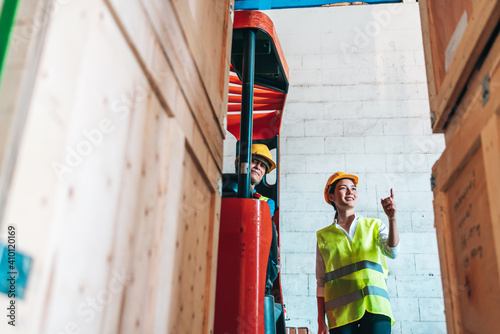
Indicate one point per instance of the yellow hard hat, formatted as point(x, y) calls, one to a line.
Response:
point(335, 177)
point(262, 153)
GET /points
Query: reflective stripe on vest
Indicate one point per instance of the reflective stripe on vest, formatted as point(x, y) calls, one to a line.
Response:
point(349, 269)
point(356, 273)
point(264, 198)
point(354, 296)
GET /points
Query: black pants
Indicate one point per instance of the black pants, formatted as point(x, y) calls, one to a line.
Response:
point(369, 324)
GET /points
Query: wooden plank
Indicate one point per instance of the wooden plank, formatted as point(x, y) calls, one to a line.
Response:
point(141, 236)
point(445, 18)
point(466, 194)
point(466, 213)
point(213, 258)
point(132, 218)
point(426, 22)
point(480, 24)
point(461, 66)
point(467, 119)
point(490, 137)
point(447, 264)
point(453, 159)
point(134, 24)
point(110, 237)
point(144, 41)
point(472, 247)
point(210, 51)
point(193, 284)
point(167, 27)
point(463, 133)
point(56, 111)
point(95, 183)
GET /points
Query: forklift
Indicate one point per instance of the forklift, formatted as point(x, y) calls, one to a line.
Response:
point(257, 95)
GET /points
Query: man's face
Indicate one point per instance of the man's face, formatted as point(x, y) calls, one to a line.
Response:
point(257, 171)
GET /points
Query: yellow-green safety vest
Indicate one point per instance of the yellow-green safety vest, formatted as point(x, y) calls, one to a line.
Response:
point(356, 273)
point(264, 198)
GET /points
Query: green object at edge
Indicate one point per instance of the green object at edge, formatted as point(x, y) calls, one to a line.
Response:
point(7, 19)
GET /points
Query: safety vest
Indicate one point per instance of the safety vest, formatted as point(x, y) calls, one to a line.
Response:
point(356, 273)
point(259, 196)
point(262, 198)
point(272, 205)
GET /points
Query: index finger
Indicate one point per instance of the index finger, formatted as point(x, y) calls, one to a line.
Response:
point(392, 194)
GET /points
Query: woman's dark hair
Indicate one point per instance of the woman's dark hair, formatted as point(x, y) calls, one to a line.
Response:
point(331, 190)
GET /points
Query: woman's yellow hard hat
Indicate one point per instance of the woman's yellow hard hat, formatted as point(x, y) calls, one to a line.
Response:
point(335, 177)
point(262, 153)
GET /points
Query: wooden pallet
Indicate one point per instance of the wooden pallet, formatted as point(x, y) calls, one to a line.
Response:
point(455, 32)
point(298, 330)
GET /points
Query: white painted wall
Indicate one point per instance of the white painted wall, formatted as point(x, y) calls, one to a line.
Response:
point(358, 103)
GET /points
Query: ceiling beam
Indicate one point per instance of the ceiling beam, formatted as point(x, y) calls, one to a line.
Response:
point(277, 4)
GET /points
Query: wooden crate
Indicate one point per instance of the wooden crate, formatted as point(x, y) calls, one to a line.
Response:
point(455, 32)
point(466, 202)
point(467, 220)
point(124, 237)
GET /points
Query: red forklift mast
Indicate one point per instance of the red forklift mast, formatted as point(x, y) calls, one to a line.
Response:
point(254, 115)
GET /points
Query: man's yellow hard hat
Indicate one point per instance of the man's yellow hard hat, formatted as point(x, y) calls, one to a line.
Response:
point(335, 177)
point(261, 152)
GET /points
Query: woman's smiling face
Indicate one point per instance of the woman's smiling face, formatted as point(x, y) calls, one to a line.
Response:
point(345, 194)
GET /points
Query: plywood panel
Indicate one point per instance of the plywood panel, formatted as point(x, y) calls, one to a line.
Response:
point(190, 303)
point(85, 213)
point(472, 113)
point(209, 50)
point(42, 200)
point(444, 20)
point(455, 33)
point(472, 236)
point(115, 190)
point(446, 261)
point(170, 67)
point(466, 205)
point(167, 26)
point(466, 208)
point(139, 230)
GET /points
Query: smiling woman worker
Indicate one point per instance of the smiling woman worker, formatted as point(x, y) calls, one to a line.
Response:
point(351, 271)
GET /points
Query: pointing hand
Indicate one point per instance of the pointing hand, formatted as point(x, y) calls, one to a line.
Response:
point(389, 205)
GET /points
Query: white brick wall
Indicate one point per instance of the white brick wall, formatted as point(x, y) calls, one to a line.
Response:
point(358, 103)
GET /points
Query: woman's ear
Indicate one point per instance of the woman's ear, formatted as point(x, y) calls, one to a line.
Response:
point(331, 197)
